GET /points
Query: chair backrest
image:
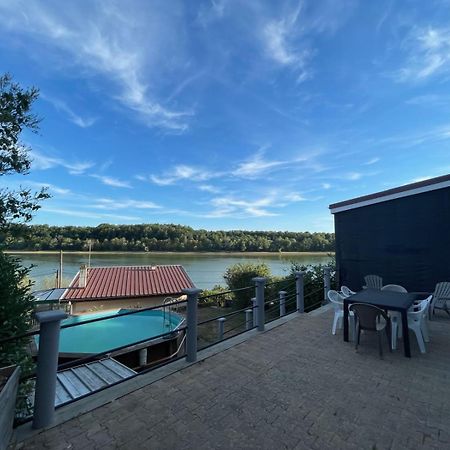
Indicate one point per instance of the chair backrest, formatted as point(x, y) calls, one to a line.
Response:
point(336, 298)
point(346, 291)
point(368, 315)
point(421, 309)
point(441, 292)
point(373, 281)
point(394, 288)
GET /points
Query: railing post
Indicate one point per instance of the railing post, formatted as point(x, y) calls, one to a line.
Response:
point(248, 318)
point(259, 284)
point(300, 291)
point(47, 366)
point(326, 282)
point(221, 322)
point(282, 295)
point(255, 316)
point(191, 323)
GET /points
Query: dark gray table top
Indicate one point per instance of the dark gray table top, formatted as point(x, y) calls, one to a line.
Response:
point(396, 301)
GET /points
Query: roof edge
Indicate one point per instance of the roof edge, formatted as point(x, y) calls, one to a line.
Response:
point(393, 193)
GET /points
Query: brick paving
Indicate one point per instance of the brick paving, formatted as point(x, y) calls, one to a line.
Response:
point(293, 387)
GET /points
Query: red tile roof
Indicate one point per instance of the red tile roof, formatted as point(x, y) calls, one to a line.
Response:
point(129, 281)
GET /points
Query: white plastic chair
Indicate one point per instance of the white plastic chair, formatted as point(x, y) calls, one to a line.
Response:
point(394, 288)
point(346, 292)
point(338, 321)
point(441, 295)
point(373, 281)
point(417, 322)
point(394, 315)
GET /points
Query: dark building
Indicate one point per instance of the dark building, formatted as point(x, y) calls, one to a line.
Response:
point(402, 235)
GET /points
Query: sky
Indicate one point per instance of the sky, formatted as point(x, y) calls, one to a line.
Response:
point(228, 114)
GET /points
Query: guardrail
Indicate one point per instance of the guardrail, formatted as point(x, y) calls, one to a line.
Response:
point(290, 298)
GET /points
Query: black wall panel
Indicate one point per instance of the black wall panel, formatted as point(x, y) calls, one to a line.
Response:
point(406, 241)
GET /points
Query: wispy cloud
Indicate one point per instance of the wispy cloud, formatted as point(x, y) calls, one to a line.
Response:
point(256, 165)
point(61, 106)
point(51, 187)
point(118, 43)
point(77, 212)
point(113, 204)
point(279, 37)
point(111, 181)
point(183, 172)
point(428, 54)
point(236, 207)
point(45, 162)
point(372, 161)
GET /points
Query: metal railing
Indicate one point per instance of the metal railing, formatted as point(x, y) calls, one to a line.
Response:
point(289, 298)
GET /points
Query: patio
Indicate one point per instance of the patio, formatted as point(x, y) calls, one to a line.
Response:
point(293, 386)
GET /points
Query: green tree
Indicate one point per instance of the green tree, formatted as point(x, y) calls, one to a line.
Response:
point(16, 302)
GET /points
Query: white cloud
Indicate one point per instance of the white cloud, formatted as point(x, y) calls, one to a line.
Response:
point(44, 162)
point(278, 37)
point(353, 176)
point(372, 161)
point(429, 54)
point(83, 122)
point(234, 207)
point(255, 166)
point(76, 212)
point(51, 188)
point(183, 172)
point(326, 186)
point(128, 46)
point(111, 181)
point(111, 204)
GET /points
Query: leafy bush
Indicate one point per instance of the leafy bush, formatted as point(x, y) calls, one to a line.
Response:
point(215, 297)
point(313, 281)
point(240, 276)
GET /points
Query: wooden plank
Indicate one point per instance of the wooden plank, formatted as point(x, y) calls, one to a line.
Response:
point(117, 367)
point(90, 378)
point(73, 384)
point(103, 372)
point(62, 396)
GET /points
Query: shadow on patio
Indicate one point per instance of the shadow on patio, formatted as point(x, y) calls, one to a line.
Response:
point(293, 386)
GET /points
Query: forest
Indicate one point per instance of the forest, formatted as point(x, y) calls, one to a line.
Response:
point(162, 237)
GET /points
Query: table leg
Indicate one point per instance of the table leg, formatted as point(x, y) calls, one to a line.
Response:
point(406, 334)
point(345, 320)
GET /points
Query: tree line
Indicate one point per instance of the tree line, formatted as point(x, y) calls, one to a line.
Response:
point(164, 237)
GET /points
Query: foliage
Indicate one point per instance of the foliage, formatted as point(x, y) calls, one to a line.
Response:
point(313, 281)
point(240, 276)
point(16, 307)
point(216, 296)
point(16, 302)
point(15, 116)
point(168, 237)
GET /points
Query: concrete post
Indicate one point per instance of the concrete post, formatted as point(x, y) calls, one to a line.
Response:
point(47, 366)
point(326, 282)
point(191, 323)
point(282, 295)
point(221, 323)
point(255, 316)
point(300, 291)
point(259, 284)
point(143, 352)
point(248, 319)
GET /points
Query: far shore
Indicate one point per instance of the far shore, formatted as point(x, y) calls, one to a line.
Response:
point(53, 252)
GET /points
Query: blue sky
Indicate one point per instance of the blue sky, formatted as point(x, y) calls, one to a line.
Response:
point(228, 114)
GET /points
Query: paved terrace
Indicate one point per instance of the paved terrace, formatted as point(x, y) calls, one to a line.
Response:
point(294, 386)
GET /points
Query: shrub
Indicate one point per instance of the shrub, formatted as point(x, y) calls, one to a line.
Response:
point(240, 276)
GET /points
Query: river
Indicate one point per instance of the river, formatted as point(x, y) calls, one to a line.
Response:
point(205, 270)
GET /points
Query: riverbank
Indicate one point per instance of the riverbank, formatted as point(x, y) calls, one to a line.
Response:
point(251, 254)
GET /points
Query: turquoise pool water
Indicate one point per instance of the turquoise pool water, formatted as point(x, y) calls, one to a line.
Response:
point(107, 334)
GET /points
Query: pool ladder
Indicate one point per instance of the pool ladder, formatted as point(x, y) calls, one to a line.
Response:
point(167, 315)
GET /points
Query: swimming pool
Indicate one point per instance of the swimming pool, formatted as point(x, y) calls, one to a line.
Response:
point(104, 335)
